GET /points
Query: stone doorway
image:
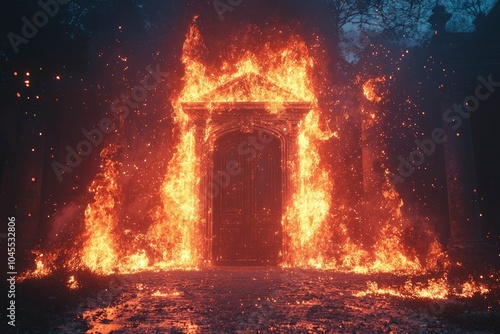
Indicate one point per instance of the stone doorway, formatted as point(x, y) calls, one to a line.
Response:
point(243, 219)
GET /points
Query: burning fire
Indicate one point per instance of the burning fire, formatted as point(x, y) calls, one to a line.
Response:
point(369, 88)
point(318, 228)
point(99, 250)
point(432, 289)
point(288, 68)
point(43, 267)
point(72, 283)
point(310, 207)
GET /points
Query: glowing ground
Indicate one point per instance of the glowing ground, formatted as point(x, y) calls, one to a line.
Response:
point(252, 299)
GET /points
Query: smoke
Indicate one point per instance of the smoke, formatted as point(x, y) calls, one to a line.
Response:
point(66, 224)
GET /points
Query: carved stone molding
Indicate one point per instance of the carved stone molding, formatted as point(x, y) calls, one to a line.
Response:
point(215, 120)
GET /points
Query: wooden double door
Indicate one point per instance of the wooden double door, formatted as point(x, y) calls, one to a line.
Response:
point(247, 199)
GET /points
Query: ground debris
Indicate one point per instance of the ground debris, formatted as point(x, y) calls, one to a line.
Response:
point(259, 299)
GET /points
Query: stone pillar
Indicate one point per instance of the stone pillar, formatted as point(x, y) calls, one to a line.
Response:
point(198, 117)
point(465, 227)
point(292, 168)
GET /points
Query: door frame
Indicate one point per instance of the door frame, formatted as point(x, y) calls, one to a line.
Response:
point(216, 119)
point(277, 244)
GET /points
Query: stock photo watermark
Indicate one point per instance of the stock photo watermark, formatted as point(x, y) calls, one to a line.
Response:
point(248, 148)
point(40, 19)
point(456, 115)
point(11, 270)
point(95, 137)
point(221, 7)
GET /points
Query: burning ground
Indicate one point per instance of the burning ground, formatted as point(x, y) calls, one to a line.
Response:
point(249, 299)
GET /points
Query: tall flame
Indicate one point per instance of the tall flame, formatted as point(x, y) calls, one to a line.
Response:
point(319, 234)
point(289, 69)
point(99, 249)
point(176, 231)
point(308, 214)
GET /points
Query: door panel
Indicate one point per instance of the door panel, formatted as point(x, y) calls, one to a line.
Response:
point(247, 208)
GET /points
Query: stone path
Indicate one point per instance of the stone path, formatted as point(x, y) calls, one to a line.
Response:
point(249, 300)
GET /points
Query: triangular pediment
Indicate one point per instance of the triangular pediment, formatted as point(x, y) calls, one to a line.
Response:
point(250, 87)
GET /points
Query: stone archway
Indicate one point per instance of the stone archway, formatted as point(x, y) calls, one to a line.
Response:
point(245, 121)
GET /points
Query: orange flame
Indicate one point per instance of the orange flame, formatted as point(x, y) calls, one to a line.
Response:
point(369, 89)
point(307, 215)
point(176, 239)
point(289, 70)
point(72, 283)
point(176, 230)
point(99, 249)
point(434, 288)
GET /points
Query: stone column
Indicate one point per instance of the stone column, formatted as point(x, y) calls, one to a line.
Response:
point(465, 227)
point(291, 159)
point(198, 119)
point(288, 124)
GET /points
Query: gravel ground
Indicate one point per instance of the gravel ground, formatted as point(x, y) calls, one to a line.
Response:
point(249, 300)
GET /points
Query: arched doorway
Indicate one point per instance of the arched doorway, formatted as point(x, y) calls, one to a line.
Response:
point(243, 221)
point(247, 206)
